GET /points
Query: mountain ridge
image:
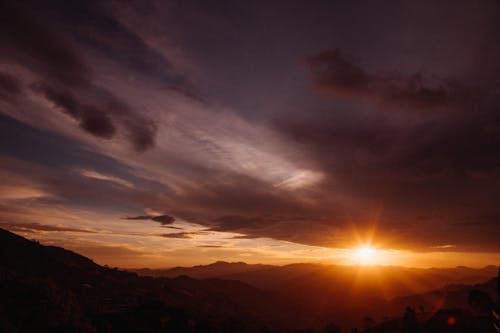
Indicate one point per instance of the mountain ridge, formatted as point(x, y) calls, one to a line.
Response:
point(271, 276)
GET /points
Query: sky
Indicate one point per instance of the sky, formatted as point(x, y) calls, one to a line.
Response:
point(164, 133)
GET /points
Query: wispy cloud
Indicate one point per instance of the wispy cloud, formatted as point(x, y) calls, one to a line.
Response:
point(100, 176)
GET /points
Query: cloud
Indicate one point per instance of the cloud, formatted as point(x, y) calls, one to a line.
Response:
point(46, 162)
point(187, 94)
point(393, 168)
point(141, 133)
point(10, 87)
point(241, 223)
point(479, 221)
point(393, 172)
point(100, 176)
point(104, 119)
point(334, 73)
point(32, 41)
point(164, 220)
point(35, 227)
point(443, 247)
point(65, 79)
point(323, 168)
point(182, 235)
point(89, 118)
point(140, 217)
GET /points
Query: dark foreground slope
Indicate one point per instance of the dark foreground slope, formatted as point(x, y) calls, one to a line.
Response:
point(50, 289)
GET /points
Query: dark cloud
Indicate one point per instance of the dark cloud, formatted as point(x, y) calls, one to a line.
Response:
point(89, 118)
point(172, 227)
point(164, 220)
point(181, 235)
point(310, 229)
point(10, 87)
point(416, 175)
point(335, 74)
point(141, 132)
point(400, 167)
point(479, 221)
point(187, 93)
point(239, 223)
point(397, 174)
point(140, 217)
point(99, 27)
point(45, 37)
point(103, 119)
point(36, 43)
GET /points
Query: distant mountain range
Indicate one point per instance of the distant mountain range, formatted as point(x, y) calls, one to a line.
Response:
point(396, 281)
point(348, 294)
point(214, 270)
point(50, 289)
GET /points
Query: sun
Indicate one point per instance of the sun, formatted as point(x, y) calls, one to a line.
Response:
point(366, 255)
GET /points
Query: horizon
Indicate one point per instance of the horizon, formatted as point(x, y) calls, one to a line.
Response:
point(314, 263)
point(164, 134)
point(324, 262)
point(48, 284)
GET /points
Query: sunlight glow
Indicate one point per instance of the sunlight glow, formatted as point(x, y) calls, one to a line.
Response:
point(366, 255)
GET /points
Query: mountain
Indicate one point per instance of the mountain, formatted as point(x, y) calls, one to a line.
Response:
point(50, 289)
point(219, 269)
point(444, 310)
point(451, 296)
point(349, 294)
point(379, 281)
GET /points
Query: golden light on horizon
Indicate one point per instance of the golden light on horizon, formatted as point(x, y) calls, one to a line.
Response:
point(366, 255)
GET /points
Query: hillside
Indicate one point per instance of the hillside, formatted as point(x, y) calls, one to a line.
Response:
point(50, 289)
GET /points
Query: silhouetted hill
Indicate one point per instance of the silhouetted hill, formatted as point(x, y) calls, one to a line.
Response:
point(447, 310)
point(50, 289)
point(451, 296)
point(218, 269)
point(348, 294)
point(367, 280)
